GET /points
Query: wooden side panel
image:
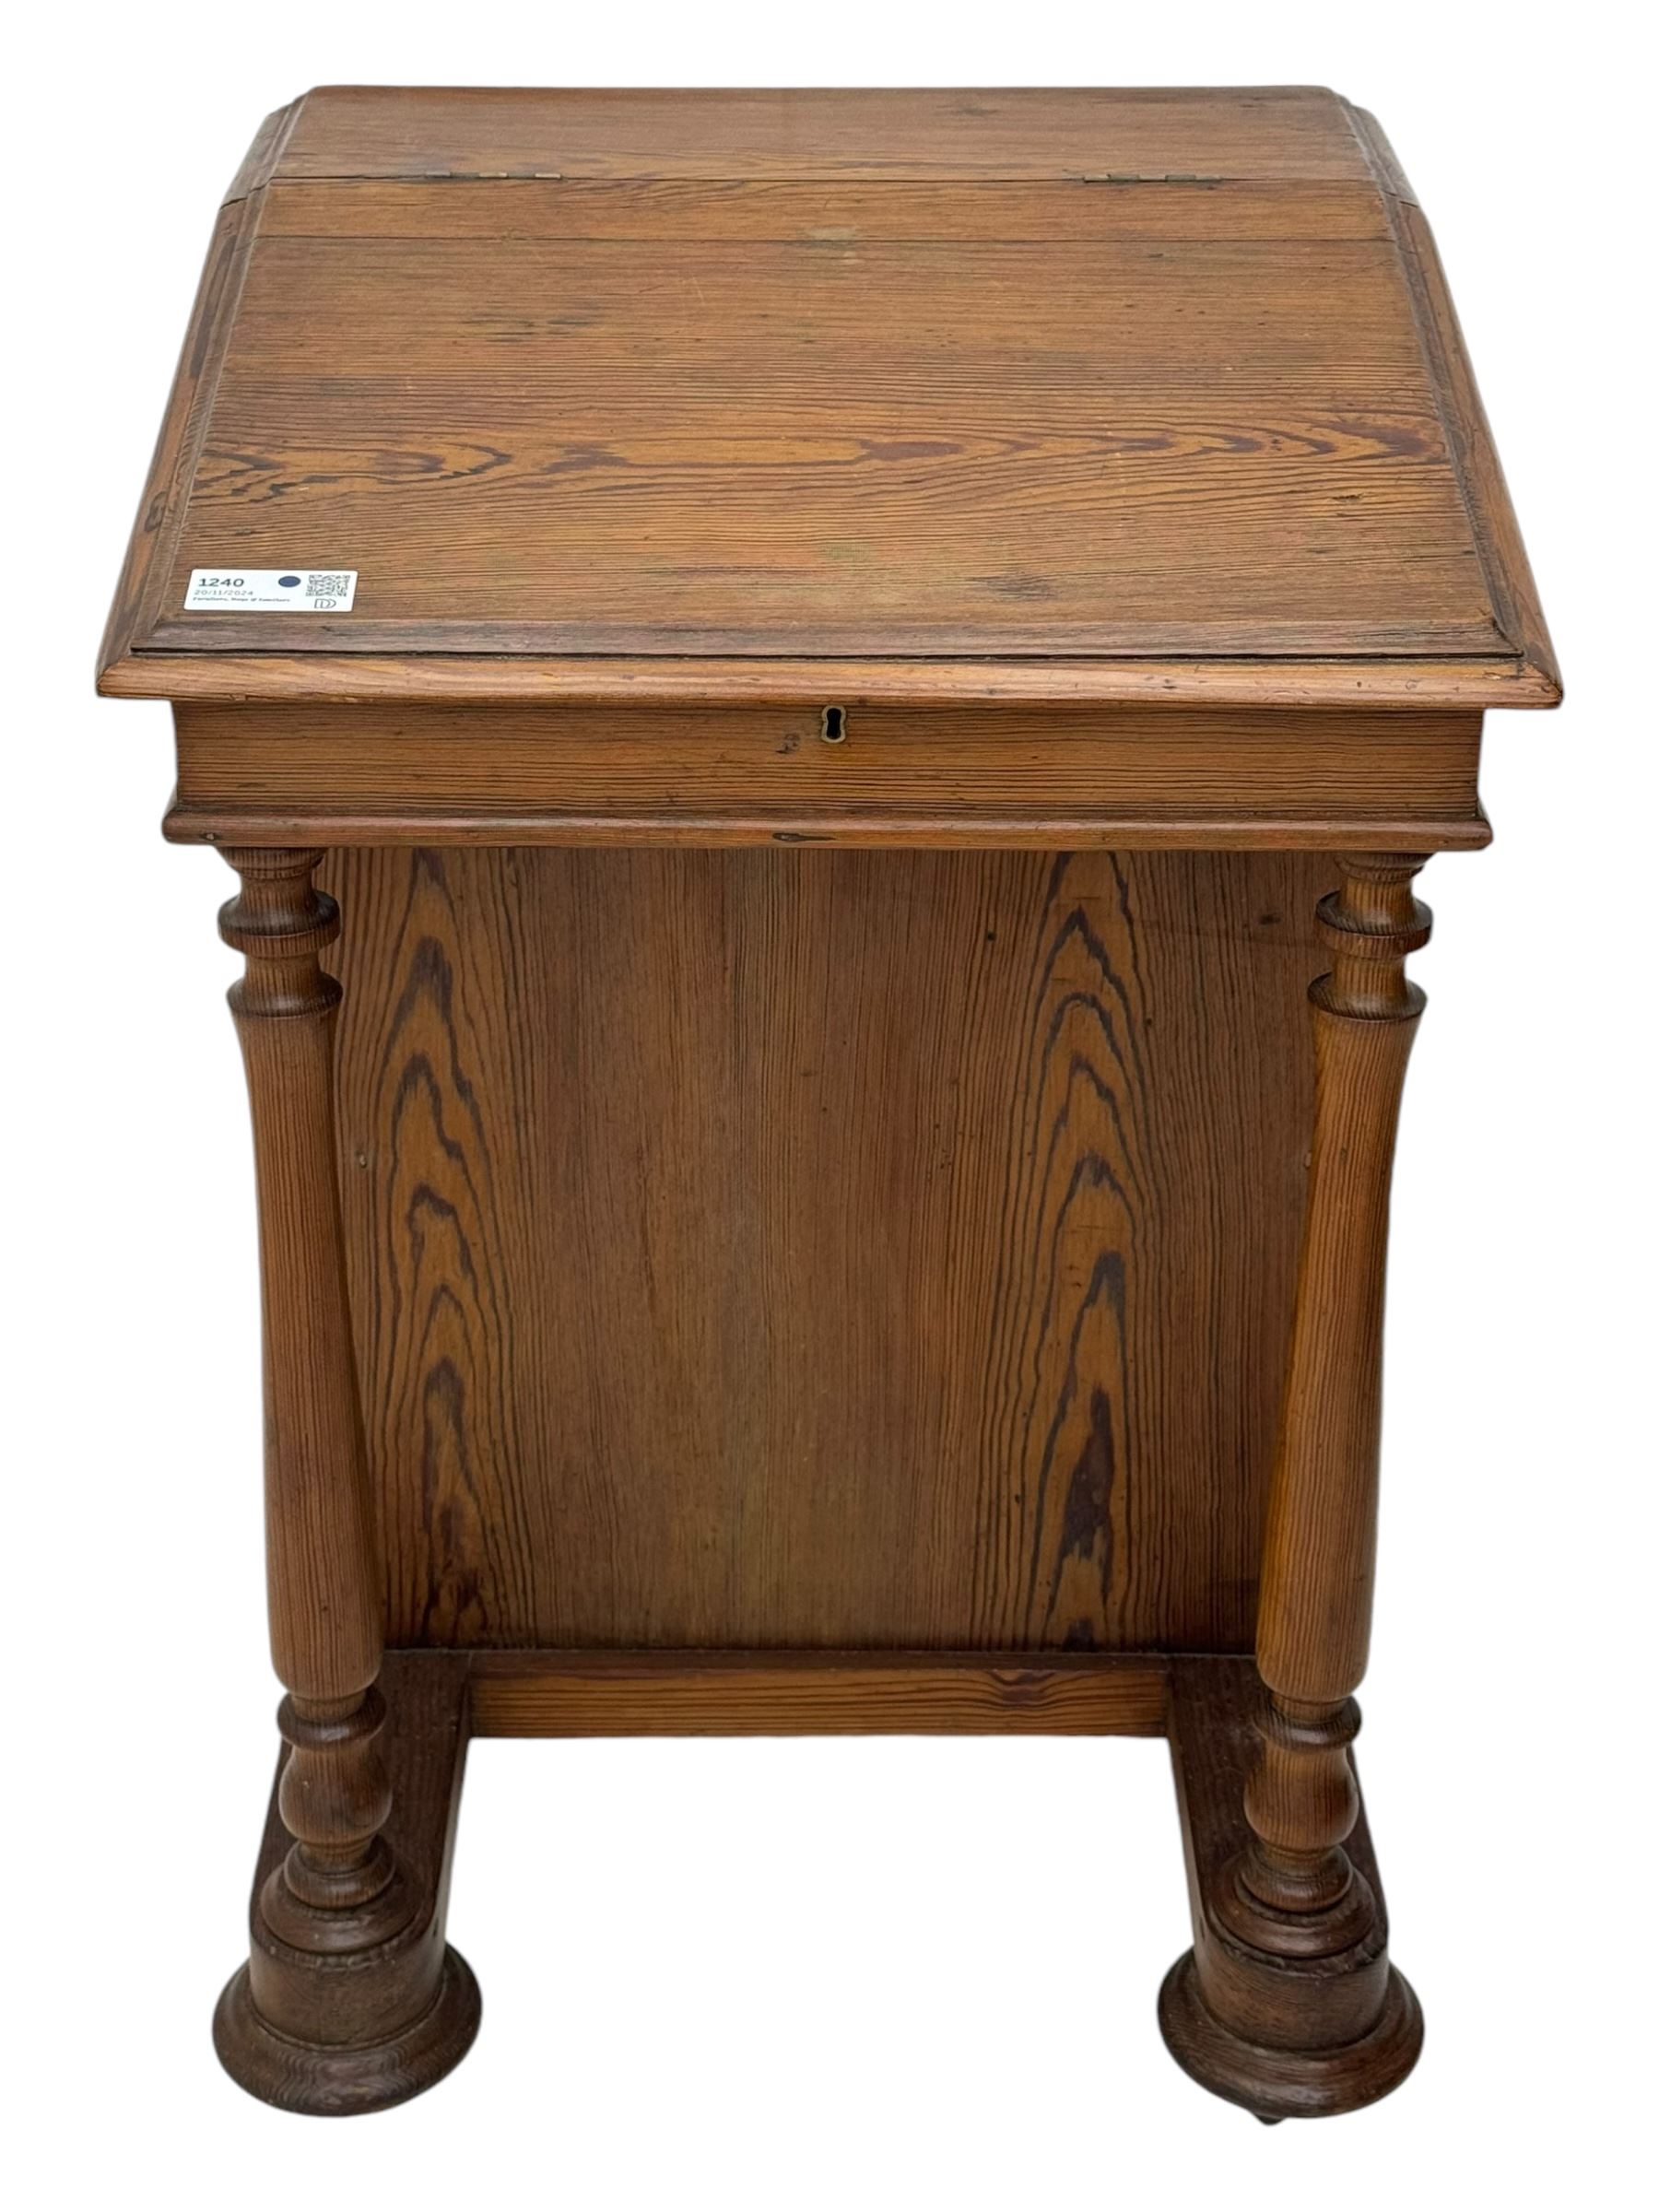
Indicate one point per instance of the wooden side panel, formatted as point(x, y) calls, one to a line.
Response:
point(822, 1249)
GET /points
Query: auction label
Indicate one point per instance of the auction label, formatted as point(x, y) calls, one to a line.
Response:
point(270, 591)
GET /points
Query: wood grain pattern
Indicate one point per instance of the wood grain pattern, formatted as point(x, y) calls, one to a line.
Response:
point(831, 1693)
point(888, 448)
point(904, 379)
point(625, 681)
point(1493, 517)
point(173, 463)
point(826, 212)
point(887, 137)
point(949, 776)
point(828, 1250)
point(439, 1070)
point(258, 165)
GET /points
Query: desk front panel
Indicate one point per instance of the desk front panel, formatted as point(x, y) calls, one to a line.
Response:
point(792, 1248)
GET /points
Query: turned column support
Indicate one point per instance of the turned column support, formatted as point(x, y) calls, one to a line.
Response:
point(313, 2021)
point(1319, 1556)
point(335, 1889)
point(1289, 2004)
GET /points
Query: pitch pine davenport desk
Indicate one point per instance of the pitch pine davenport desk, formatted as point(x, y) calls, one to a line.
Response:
point(802, 689)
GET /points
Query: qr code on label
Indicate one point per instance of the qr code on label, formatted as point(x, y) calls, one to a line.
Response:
point(327, 587)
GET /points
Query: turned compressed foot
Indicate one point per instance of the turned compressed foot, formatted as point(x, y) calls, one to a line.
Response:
point(339, 2079)
point(365, 2011)
point(1278, 2084)
point(1287, 2026)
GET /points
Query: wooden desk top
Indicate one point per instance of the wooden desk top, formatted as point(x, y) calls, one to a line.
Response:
point(904, 397)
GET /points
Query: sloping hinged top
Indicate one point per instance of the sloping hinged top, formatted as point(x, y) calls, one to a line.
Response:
point(1059, 397)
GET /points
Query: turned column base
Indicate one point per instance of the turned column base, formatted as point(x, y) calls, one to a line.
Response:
point(1303, 2032)
point(338, 2031)
point(1289, 2085)
point(339, 2080)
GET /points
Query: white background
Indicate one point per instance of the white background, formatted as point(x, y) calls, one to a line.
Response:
point(883, 1974)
